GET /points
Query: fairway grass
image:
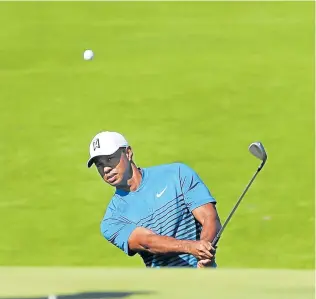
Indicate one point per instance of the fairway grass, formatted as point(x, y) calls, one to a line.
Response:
point(157, 284)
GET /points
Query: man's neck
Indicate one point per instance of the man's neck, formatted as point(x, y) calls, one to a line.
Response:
point(134, 182)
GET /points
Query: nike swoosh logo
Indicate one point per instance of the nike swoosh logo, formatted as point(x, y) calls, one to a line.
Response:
point(162, 192)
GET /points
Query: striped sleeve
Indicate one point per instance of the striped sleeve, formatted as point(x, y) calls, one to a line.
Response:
point(117, 229)
point(194, 190)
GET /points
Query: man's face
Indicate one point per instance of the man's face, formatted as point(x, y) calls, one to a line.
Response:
point(114, 168)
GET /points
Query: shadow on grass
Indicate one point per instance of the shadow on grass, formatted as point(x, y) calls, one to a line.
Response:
point(87, 295)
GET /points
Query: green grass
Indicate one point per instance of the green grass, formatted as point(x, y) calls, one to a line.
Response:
point(191, 82)
point(153, 284)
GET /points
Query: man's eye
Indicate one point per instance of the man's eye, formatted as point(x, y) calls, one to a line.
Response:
point(109, 159)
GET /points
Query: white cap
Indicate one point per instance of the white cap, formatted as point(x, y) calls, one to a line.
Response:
point(105, 143)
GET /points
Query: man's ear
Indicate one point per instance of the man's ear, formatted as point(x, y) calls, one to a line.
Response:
point(129, 153)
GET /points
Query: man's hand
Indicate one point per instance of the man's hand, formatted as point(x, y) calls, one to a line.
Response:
point(202, 250)
point(205, 263)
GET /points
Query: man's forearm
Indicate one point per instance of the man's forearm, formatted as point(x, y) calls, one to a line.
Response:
point(157, 244)
point(208, 230)
point(143, 239)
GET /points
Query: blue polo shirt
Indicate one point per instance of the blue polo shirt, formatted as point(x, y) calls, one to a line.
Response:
point(163, 203)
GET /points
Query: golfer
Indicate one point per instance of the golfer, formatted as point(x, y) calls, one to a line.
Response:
point(164, 213)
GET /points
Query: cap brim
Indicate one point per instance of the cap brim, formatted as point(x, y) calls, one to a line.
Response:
point(90, 161)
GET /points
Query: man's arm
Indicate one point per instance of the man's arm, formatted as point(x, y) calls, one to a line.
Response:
point(206, 215)
point(130, 238)
point(142, 239)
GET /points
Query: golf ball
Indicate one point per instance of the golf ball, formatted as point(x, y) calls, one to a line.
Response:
point(88, 54)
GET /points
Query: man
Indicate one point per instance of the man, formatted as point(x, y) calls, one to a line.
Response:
point(163, 213)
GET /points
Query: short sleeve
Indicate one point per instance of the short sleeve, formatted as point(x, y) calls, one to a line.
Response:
point(193, 188)
point(117, 230)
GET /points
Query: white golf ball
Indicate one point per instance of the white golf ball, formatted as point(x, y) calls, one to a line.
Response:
point(88, 55)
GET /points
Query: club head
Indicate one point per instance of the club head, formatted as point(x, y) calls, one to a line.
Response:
point(257, 149)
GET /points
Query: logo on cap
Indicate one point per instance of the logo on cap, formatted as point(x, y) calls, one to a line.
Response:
point(96, 144)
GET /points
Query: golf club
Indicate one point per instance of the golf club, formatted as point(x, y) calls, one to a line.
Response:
point(257, 149)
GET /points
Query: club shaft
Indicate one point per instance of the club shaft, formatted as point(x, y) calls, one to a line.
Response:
point(216, 239)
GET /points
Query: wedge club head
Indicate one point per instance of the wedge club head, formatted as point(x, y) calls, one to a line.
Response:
point(257, 149)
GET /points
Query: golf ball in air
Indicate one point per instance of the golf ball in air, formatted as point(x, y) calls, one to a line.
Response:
point(88, 54)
